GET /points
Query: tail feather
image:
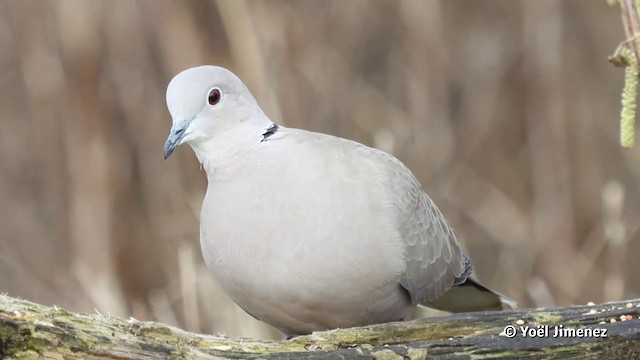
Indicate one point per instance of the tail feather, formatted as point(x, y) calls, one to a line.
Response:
point(471, 296)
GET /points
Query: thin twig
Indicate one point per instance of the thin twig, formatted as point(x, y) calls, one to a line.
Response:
point(630, 23)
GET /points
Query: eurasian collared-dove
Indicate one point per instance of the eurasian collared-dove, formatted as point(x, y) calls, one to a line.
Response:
point(307, 231)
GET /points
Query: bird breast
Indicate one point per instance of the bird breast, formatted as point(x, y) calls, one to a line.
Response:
point(277, 225)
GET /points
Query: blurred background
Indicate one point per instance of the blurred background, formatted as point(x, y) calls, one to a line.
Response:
point(506, 111)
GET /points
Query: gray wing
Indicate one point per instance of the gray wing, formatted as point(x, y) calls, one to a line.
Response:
point(435, 260)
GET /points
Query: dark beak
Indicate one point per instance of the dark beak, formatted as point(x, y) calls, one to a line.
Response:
point(176, 134)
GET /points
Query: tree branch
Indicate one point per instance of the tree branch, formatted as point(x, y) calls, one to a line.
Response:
point(29, 330)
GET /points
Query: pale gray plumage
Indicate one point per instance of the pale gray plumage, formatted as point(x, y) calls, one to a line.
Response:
point(308, 231)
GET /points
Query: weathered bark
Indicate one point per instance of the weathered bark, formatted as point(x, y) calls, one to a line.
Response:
point(29, 330)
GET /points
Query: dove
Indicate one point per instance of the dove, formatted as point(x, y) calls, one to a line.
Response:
point(307, 231)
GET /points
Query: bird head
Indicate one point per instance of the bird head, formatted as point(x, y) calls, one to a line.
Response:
point(206, 102)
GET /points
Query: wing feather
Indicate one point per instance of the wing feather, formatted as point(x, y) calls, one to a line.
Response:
point(435, 262)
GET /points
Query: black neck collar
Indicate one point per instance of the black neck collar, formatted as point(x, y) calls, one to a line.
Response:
point(270, 131)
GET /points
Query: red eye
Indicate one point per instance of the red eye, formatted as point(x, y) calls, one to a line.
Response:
point(214, 96)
